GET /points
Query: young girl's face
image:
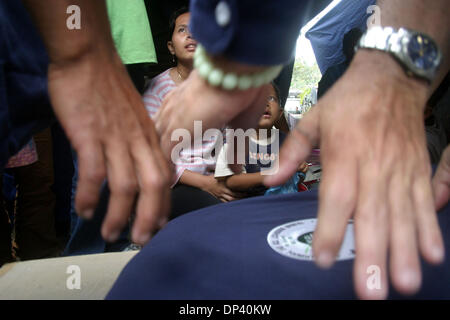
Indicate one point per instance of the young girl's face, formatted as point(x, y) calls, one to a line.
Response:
point(272, 112)
point(182, 45)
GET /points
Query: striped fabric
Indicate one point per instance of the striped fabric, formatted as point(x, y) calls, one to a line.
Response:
point(201, 158)
point(26, 156)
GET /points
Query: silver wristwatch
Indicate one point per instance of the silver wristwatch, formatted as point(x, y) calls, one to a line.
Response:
point(417, 53)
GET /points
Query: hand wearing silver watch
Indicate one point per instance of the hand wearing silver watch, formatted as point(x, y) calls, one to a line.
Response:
point(418, 53)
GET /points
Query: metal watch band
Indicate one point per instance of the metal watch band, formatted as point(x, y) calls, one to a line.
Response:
point(396, 43)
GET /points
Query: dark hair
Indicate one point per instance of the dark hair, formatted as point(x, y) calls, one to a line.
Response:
point(351, 39)
point(173, 19)
point(277, 93)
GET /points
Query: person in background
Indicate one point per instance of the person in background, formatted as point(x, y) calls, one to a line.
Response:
point(194, 186)
point(33, 216)
point(26, 156)
point(262, 152)
point(132, 35)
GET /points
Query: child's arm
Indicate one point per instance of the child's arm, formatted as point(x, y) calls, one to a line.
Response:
point(194, 179)
point(209, 184)
point(244, 181)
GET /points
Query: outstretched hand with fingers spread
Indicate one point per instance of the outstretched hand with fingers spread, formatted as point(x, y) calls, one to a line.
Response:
point(375, 170)
point(106, 121)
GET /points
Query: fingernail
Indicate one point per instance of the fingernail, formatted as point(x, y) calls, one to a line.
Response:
point(437, 253)
point(410, 279)
point(162, 222)
point(141, 238)
point(325, 259)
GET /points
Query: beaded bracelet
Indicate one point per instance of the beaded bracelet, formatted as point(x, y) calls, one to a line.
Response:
point(229, 81)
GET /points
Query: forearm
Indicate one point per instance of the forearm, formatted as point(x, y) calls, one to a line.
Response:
point(193, 179)
point(63, 44)
point(244, 181)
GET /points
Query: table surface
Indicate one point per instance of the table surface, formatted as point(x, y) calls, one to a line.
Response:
point(46, 279)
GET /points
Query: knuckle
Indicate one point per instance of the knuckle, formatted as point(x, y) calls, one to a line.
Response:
point(136, 136)
point(125, 187)
point(423, 170)
point(366, 215)
point(332, 192)
point(154, 181)
point(94, 176)
point(347, 199)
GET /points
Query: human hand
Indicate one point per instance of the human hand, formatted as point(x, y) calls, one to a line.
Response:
point(107, 124)
point(219, 190)
point(196, 100)
point(372, 138)
point(303, 167)
point(441, 181)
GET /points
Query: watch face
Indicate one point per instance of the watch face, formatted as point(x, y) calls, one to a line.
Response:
point(422, 52)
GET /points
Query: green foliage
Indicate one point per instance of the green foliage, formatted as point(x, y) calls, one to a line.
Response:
point(304, 76)
point(303, 93)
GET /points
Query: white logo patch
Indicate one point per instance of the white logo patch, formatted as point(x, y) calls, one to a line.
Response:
point(294, 240)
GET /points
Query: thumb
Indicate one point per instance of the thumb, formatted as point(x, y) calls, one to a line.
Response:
point(441, 181)
point(296, 148)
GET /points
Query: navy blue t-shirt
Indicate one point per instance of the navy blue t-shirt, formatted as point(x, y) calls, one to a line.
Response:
point(223, 252)
point(24, 102)
point(263, 156)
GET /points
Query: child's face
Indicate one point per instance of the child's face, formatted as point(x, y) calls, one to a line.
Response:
point(272, 112)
